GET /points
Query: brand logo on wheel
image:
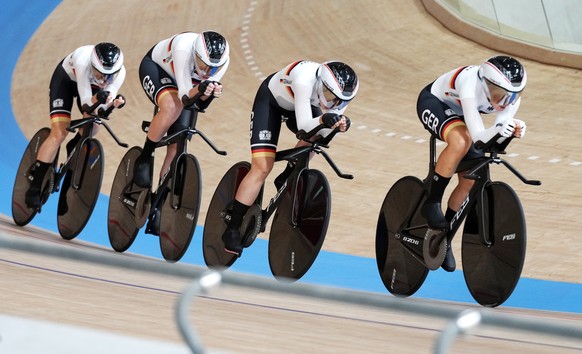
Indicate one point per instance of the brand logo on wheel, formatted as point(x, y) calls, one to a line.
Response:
point(128, 202)
point(190, 216)
point(410, 240)
point(508, 237)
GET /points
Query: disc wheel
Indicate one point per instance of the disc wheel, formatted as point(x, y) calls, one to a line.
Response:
point(80, 190)
point(180, 208)
point(493, 250)
point(218, 215)
point(400, 233)
point(300, 225)
point(21, 214)
point(125, 212)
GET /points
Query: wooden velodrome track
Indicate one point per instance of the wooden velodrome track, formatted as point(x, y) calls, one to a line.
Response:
point(396, 49)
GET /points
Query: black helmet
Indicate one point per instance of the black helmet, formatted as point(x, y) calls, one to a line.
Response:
point(505, 72)
point(339, 79)
point(107, 58)
point(211, 52)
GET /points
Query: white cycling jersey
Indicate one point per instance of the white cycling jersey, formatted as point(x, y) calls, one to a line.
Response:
point(176, 56)
point(462, 90)
point(294, 89)
point(78, 67)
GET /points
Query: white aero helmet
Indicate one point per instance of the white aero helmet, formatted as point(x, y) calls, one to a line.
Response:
point(503, 77)
point(211, 51)
point(337, 84)
point(107, 60)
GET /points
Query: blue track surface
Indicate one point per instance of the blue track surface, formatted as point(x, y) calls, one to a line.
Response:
point(19, 23)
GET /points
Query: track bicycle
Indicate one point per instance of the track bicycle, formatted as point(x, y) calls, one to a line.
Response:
point(494, 233)
point(301, 205)
point(172, 209)
point(81, 175)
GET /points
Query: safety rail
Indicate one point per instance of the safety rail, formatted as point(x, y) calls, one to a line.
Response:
point(460, 321)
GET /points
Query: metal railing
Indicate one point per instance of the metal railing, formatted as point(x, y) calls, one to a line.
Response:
point(460, 321)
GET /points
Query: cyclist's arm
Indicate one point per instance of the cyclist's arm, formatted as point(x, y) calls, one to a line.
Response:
point(474, 121)
point(182, 58)
point(114, 87)
point(303, 115)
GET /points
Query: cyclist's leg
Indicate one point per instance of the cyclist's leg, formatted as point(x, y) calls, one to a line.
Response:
point(162, 91)
point(266, 126)
point(292, 125)
point(457, 196)
point(442, 122)
point(62, 92)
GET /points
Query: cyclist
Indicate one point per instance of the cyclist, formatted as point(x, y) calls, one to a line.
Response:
point(450, 108)
point(298, 95)
point(92, 73)
point(179, 71)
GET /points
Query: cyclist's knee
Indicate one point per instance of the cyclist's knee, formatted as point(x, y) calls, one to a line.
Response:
point(261, 168)
point(460, 143)
point(58, 135)
point(169, 107)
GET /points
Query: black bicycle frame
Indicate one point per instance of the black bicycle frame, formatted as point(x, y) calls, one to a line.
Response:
point(300, 157)
point(180, 138)
point(478, 171)
point(86, 134)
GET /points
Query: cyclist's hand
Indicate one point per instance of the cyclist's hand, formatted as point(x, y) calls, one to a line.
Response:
point(119, 101)
point(217, 89)
point(506, 128)
point(103, 96)
point(331, 120)
point(206, 87)
point(519, 128)
point(345, 124)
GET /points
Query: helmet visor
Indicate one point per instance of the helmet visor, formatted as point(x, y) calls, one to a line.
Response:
point(204, 70)
point(501, 96)
point(103, 79)
point(328, 99)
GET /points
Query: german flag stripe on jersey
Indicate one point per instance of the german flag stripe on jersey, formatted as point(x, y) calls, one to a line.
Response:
point(449, 126)
point(263, 152)
point(164, 92)
point(291, 67)
point(60, 117)
point(169, 50)
point(452, 83)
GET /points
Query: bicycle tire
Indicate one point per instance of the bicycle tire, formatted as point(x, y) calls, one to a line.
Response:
point(21, 214)
point(493, 255)
point(399, 262)
point(77, 200)
point(215, 224)
point(294, 248)
point(122, 224)
point(179, 213)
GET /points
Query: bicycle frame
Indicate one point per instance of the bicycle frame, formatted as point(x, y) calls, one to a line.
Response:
point(75, 157)
point(300, 156)
point(180, 138)
point(478, 171)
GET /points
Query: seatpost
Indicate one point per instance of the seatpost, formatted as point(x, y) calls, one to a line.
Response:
point(433, 156)
point(193, 112)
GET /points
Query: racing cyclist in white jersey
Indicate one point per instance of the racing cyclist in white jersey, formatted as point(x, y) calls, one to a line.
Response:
point(91, 73)
point(304, 94)
point(179, 71)
point(450, 108)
